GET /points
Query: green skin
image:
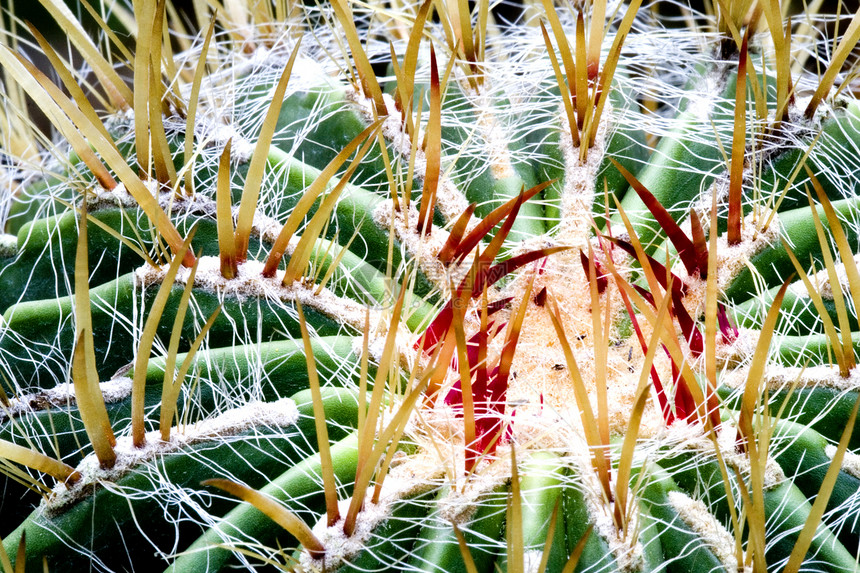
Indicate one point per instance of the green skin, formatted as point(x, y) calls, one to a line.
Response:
point(41, 330)
point(773, 263)
point(318, 143)
point(812, 348)
point(787, 505)
point(109, 259)
point(42, 324)
point(299, 488)
point(577, 519)
point(100, 520)
point(784, 503)
point(27, 205)
point(541, 488)
point(798, 315)
point(682, 547)
point(437, 549)
point(391, 542)
point(833, 160)
point(805, 462)
point(682, 166)
point(653, 558)
point(282, 368)
point(823, 410)
point(32, 275)
point(283, 373)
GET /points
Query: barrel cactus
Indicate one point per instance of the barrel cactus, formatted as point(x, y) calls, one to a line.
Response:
point(430, 287)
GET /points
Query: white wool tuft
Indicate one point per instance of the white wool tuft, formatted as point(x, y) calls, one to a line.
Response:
point(822, 284)
point(8, 245)
point(737, 352)
point(850, 460)
point(628, 552)
point(423, 248)
point(63, 395)
point(117, 197)
point(773, 474)
point(449, 199)
point(732, 259)
point(579, 183)
point(241, 148)
point(400, 484)
point(779, 377)
point(699, 519)
point(282, 413)
point(250, 283)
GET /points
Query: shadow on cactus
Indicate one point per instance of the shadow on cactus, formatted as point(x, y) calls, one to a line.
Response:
point(428, 290)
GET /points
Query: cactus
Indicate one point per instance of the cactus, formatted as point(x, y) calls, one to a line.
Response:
point(429, 288)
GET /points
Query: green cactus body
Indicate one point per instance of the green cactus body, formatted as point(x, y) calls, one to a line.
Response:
point(300, 486)
point(253, 453)
point(544, 322)
point(437, 549)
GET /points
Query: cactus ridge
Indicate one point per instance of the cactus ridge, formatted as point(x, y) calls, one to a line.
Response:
point(430, 289)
